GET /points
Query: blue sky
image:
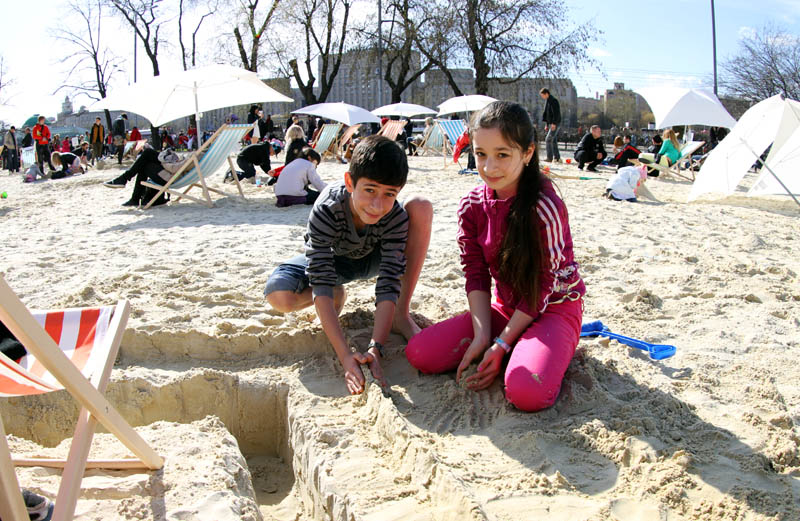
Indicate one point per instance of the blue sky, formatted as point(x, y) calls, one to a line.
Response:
point(669, 42)
point(644, 44)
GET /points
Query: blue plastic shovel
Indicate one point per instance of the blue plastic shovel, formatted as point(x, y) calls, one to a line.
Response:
point(656, 351)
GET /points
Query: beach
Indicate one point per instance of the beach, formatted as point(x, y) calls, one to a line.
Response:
point(249, 408)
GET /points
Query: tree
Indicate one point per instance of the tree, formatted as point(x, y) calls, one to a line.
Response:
point(324, 26)
point(248, 9)
point(509, 40)
point(434, 40)
point(184, 8)
point(91, 65)
point(768, 63)
point(401, 71)
point(142, 17)
point(5, 81)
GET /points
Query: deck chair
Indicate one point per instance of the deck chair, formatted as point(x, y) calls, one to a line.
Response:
point(202, 163)
point(434, 142)
point(453, 129)
point(326, 138)
point(72, 349)
point(392, 128)
point(27, 155)
point(346, 137)
point(675, 169)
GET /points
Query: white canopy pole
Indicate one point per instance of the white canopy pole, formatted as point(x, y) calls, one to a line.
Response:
point(758, 158)
point(197, 118)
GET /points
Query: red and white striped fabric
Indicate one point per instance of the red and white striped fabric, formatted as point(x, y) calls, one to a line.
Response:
point(80, 333)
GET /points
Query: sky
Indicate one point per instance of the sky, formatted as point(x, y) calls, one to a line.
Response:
point(642, 44)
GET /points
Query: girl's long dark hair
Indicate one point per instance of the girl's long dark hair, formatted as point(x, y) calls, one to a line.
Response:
point(521, 253)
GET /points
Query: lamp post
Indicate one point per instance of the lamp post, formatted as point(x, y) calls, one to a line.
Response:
point(714, 44)
point(380, 54)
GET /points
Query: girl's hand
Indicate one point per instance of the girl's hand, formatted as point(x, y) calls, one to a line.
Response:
point(488, 369)
point(473, 351)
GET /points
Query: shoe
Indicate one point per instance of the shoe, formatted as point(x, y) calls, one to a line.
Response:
point(161, 200)
point(228, 177)
point(558, 160)
point(131, 202)
point(591, 169)
point(548, 160)
point(39, 508)
point(580, 167)
point(115, 183)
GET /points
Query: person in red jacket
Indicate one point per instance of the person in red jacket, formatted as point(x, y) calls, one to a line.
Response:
point(135, 134)
point(41, 135)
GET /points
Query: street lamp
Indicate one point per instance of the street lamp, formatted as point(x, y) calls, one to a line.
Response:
point(714, 44)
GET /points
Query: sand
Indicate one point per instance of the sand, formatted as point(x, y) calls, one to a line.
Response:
point(251, 414)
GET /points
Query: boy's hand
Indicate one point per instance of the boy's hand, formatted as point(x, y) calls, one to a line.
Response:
point(353, 376)
point(488, 369)
point(473, 351)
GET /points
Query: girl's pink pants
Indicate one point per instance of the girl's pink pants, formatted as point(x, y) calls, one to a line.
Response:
point(538, 360)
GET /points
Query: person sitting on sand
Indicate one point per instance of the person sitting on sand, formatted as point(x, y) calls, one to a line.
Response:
point(590, 149)
point(356, 230)
point(292, 185)
point(625, 153)
point(511, 226)
point(66, 164)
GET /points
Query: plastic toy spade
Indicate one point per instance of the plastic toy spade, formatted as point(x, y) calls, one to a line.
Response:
point(656, 351)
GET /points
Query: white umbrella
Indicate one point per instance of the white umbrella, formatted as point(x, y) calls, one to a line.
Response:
point(402, 109)
point(341, 112)
point(469, 103)
point(680, 106)
point(171, 96)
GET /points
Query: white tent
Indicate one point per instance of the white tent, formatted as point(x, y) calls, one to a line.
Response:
point(773, 121)
point(679, 106)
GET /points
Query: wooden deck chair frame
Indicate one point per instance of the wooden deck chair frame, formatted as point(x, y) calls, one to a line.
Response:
point(327, 139)
point(452, 126)
point(347, 135)
point(435, 133)
point(392, 128)
point(89, 393)
point(194, 164)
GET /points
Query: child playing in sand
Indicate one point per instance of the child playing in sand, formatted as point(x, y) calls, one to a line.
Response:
point(510, 228)
point(67, 163)
point(626, 183)
point(356, 230)
point(296, 177)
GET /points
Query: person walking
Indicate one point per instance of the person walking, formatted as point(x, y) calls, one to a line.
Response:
point(119, 131)
point(552, 120)
point(11, 150)
point(96, 139)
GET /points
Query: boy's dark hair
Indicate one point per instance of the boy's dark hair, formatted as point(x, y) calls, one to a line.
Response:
point(379, 159)
point(628, 137)
point(309, 154)
point(544, 91)
point(657, 139)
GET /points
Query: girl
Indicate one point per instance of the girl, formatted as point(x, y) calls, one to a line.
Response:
point(671, 148)
point(67, 163)
point(292, 185)
point(514, 230)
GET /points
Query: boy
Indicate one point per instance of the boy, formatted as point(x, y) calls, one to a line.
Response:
point(41, 135)
point(357, 230)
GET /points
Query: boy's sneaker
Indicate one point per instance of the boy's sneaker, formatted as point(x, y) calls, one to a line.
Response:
point(115, 183)
point(39, 508)
point(557, 160)
point(228, 177)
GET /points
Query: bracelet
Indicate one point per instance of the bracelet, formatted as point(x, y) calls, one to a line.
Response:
point(376, 345)
point(502, 343)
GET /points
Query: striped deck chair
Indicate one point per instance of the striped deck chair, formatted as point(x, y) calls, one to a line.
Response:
point(392, 129)
point(27, 155)
point(435, 140)
point(453, 129)
point(72, 349)
point(346, 137)
point(202, 163)
point(326, 139)
point(674, 170)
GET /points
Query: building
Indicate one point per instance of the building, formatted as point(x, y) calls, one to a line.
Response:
point(621, 106)
point(436, 88)
point(525, 91)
